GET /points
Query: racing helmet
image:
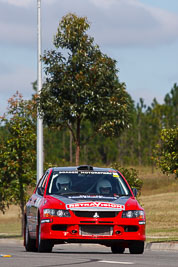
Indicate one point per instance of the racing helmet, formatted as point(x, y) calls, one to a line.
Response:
point(104, 187)
point(63, 182)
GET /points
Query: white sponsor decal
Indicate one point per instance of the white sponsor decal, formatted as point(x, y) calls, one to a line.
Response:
point(92, 196)
point(37, 202)
point(94, 205)
point(86, 172)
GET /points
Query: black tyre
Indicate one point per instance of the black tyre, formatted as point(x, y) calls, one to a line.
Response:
point(117, 249)
point(30, 244)
point(43, 245)
point(136, 247)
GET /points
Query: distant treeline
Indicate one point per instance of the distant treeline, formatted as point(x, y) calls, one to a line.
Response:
point(133, 147)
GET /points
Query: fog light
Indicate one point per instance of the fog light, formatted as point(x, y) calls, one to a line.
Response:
point(74, 232)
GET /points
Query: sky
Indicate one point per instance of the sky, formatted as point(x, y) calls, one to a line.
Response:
point(141, 35)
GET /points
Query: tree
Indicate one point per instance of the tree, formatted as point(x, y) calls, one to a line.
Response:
point(17, 153)
point(82, 84)
point(166, 153)
point(171, 107)
point(153, 123)
point(139, 109)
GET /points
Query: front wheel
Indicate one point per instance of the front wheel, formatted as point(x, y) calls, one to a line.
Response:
point(43, 245)
point(137, 247)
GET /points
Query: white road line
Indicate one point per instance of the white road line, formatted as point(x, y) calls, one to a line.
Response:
point(118, 262)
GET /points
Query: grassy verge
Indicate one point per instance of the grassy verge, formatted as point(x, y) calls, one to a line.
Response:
point(10, 223)
point(158, 197)
point(162, 216)
point(157, 182)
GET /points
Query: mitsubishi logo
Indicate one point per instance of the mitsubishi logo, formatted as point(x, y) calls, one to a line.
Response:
point(96, 215)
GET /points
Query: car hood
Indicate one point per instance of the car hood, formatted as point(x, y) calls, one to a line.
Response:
point(98, 204)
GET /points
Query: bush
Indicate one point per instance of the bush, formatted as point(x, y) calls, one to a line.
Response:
point(131, 176)
point(166, 152)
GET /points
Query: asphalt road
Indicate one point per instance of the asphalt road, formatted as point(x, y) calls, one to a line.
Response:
point(83, 255)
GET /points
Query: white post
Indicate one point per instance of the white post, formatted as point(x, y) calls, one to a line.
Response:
point(39, 86)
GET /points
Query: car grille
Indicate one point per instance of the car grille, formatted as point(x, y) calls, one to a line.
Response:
point(98, 230)
point(100, 214)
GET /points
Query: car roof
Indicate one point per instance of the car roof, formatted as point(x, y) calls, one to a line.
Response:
point(83, 168)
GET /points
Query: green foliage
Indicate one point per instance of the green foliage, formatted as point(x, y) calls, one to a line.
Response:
point(136, 144)
point(133, 147)
point(131, 176)
point(17, 152)
point(166, 152)
point(171, 107)
point(82, 84)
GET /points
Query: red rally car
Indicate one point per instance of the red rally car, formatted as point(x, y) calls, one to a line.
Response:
point(84, 204)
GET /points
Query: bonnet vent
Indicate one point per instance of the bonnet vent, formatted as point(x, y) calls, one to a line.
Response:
point(85, 168)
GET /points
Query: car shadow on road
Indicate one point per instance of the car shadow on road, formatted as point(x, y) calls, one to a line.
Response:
point(81, 252)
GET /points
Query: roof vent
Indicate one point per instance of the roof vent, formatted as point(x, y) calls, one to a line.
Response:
point(85, 168)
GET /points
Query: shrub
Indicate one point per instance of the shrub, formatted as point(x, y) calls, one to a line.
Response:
point(131, 176)
point(166, 152)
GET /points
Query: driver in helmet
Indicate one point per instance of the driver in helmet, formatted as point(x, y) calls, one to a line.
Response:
point(104, 187)
point(63, 183)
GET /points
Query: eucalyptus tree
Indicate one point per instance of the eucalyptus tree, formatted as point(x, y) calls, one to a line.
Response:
point(140, 118)
point(82, 84)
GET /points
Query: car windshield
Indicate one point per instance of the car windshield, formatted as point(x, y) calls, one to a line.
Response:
point(87, 183)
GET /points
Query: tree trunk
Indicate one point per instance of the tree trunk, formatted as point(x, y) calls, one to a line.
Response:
point(22, 207)
point(63, 145)
point(139, 142)
point(139, 148)
point(22, 218)
point(77, 155)
point(71, 156)
point(85, 154)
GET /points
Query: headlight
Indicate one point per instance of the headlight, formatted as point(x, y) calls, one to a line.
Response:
point(140, 214)
point(54, 212)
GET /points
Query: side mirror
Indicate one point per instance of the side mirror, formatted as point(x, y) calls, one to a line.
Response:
point(134, 190)
point(40, 191)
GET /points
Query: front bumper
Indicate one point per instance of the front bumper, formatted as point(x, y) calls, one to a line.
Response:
point(91, 230)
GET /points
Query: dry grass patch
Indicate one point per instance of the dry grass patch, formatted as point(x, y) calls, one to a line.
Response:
point(161, 215)
point(155, 182)
point(10, 222)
